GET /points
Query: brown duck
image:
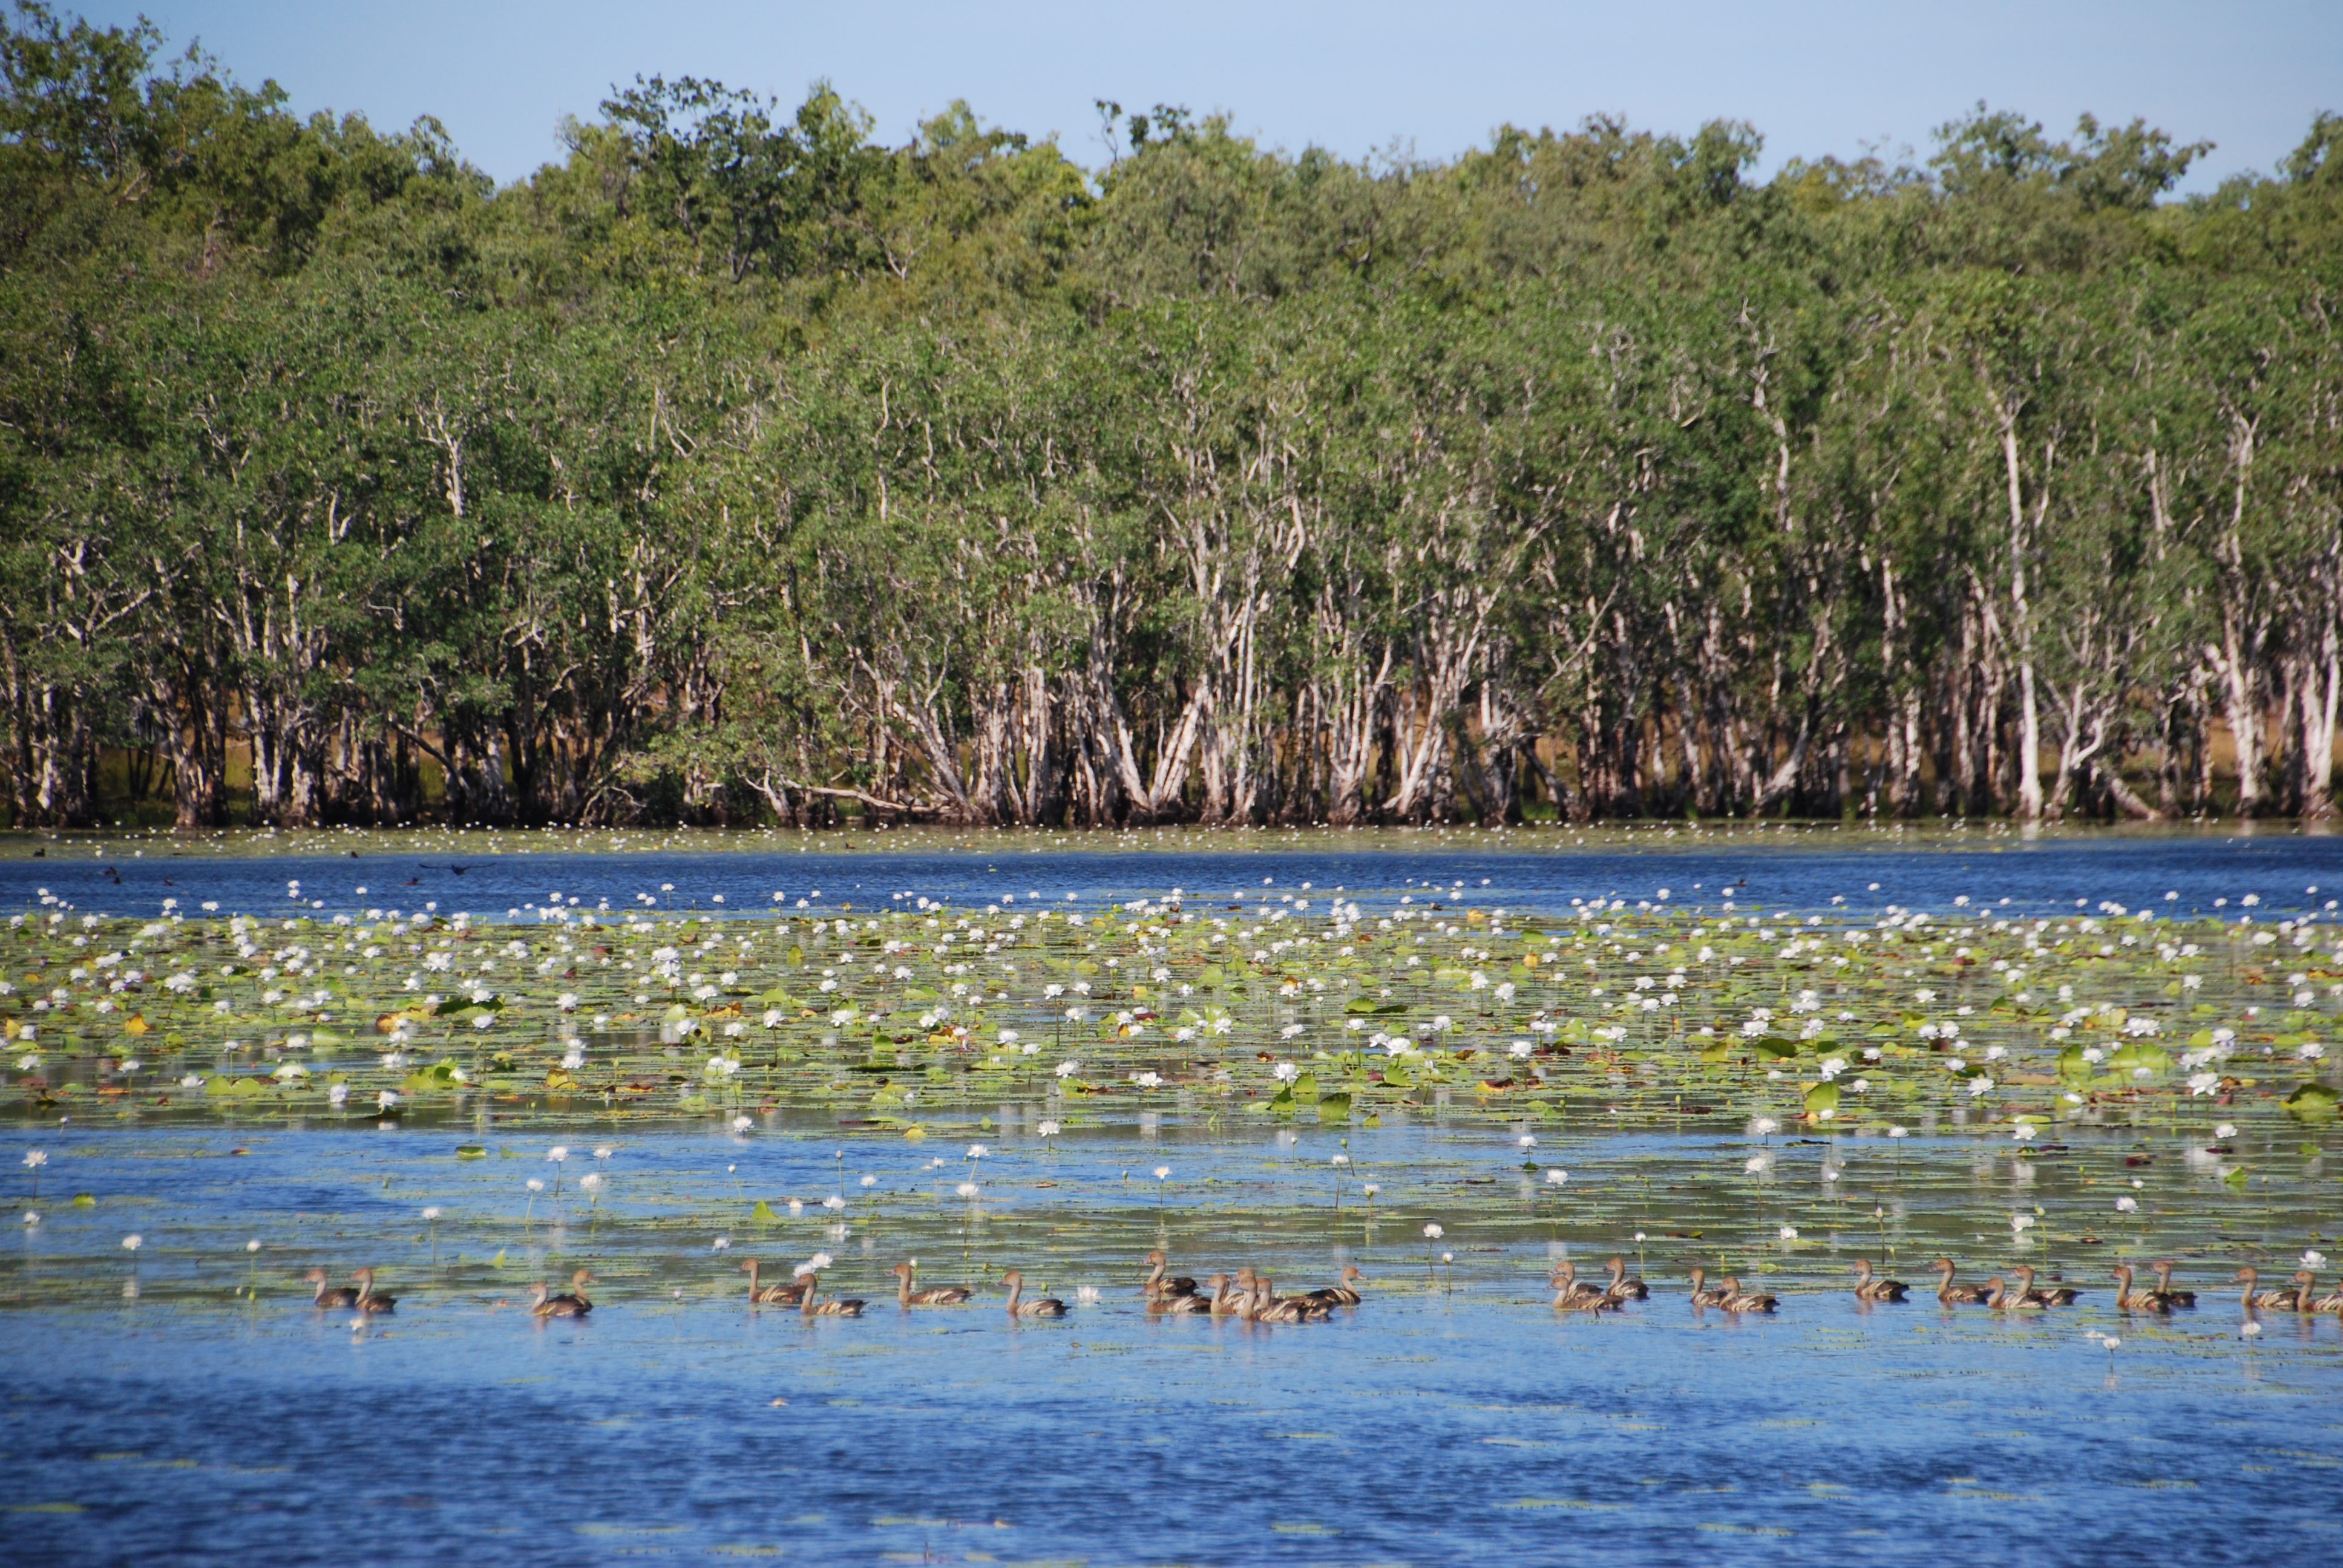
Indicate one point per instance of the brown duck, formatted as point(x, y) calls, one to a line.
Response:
point(331, 1295)
point(1158, 1285)
point(1953, 1295)
point(2276, 1301)
point(2141, 1301)
point(2056, 1296)
point(1046, 1307)
point(368, 1302)
point(2162, 1268)
point(1345, 1291)
point(1572, 1296)
point(1624, 1287)
point(1870, 1288)
point(2009, 1300)
point(910, 1295)
point(573, 1305)
point(763, 1295)
point(808, 1307)
point(1277, 1308)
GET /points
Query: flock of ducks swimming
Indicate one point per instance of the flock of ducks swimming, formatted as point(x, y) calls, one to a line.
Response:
point(1249, 1296)
point(1997, 1293)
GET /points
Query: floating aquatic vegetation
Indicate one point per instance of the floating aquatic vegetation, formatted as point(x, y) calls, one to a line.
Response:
point(2108, 1048)
point(1282, 1003)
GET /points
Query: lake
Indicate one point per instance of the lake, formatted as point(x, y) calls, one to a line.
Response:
point(183, 1399)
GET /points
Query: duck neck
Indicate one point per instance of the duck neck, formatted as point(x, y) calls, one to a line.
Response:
point(805, 1303)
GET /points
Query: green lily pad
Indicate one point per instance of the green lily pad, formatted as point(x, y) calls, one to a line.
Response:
point(2312, 1102)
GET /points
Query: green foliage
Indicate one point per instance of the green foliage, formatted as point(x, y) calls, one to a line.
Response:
point(2312, 1102)
point(738, 464)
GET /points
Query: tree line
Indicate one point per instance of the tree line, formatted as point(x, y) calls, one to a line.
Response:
point(741, 464)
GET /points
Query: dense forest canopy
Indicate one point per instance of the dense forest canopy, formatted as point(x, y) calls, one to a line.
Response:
point(740, 464)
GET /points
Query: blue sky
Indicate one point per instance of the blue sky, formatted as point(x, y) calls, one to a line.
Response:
point(1814, 77)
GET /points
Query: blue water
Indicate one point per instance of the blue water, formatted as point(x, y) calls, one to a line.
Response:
point(1480, 1427)
point(1453, 1417)
point(2278, 867)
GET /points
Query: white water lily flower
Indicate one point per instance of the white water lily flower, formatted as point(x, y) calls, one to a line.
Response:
point(1047, 1129)
point(2127, 1205)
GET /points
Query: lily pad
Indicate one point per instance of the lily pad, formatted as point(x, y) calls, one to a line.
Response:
point(2312, 1102)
